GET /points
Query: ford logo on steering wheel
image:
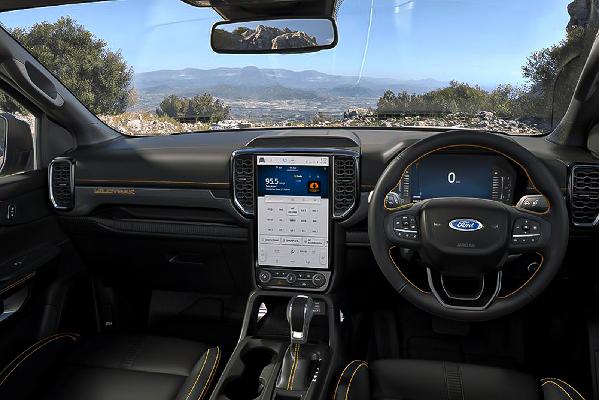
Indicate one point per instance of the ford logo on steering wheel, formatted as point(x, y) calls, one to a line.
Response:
point(465, 224)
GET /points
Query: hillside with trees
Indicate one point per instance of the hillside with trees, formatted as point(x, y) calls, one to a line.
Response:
point(98, 76)
point(199, 108)
point(551, 76)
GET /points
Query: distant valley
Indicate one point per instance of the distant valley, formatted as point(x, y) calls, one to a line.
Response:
point(272, 93)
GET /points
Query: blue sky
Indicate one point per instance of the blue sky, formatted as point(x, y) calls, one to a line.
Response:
point(477, 41)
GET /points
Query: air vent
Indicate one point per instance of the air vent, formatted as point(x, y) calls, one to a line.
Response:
point(345, 185)
point(62, 180)
point(584, 195)
point(243, 183)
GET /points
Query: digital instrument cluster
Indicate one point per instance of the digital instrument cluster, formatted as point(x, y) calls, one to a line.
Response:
point(455, 175)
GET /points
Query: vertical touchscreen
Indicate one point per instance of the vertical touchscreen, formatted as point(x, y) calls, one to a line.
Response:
point(293, 211)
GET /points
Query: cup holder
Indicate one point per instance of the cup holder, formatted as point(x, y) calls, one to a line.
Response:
point(249, 384)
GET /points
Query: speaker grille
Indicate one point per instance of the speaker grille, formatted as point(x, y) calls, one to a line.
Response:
point(243, 183)
point(584, 194)
point(345, 185)
point(61, 183)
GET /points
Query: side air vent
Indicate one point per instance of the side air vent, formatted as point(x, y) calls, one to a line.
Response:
point(345, 185)
point(584, 195)
point(243, 183)
point(62, 182)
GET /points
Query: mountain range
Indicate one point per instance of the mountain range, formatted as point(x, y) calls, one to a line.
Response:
point(264, 84)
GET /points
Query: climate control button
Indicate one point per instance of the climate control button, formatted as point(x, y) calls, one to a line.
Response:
point(291, 278)
point(318, 280)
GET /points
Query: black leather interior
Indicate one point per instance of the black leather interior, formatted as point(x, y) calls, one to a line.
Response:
point(111, 367)
point(431, 380)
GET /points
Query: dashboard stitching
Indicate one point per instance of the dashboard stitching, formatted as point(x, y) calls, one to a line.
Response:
point(84, 182)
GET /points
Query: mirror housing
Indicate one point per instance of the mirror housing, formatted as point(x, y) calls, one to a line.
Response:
point(16, 145)
point(278, 35)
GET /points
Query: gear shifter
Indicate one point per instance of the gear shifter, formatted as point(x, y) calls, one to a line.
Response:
point(298, 367)
point(299, 315)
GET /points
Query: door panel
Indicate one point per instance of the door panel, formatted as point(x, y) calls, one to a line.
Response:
point(31, 244)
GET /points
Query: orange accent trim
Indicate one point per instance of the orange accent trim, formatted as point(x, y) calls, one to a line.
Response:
point(527, 281)
point(212, 372)
point(32, 349)
point(559, 386)
point(552, 380)
point(363, 364)
point(402, 274)
point(199, 374)
point(293, 368)
point(87, 182)
point(341, 377)
point(17, 282)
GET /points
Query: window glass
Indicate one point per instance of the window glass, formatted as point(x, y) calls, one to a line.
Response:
point(17, 137)
point(145, 67)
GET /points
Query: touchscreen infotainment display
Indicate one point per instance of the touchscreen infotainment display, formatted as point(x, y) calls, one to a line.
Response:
point(293, 211)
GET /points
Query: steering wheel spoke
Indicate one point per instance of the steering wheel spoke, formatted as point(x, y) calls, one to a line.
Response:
point(530, 232)
point(473, 293)
point(402, 227)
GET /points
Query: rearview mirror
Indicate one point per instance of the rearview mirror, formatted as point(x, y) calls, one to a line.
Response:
point(289, 35)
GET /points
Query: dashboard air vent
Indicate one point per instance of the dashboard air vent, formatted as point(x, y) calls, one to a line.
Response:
point(345, 185)
point(243, 183)
point(62, 183)
point(584, 195)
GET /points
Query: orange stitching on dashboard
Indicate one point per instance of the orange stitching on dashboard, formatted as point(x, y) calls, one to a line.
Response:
point(116, 181)
point(478, 146)
point(527, 281)
point(352, 377)
point(402, 274)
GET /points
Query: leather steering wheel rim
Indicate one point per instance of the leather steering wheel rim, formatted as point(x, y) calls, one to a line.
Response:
point(540, 176)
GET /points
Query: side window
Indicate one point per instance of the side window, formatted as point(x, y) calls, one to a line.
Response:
point(17, 137)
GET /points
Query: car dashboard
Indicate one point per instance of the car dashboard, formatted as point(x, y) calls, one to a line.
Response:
point(285, 205)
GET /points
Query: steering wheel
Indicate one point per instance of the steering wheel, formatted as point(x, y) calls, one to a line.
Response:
point(468, 240)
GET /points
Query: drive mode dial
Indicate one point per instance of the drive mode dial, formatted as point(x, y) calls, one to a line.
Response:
point(264, 277)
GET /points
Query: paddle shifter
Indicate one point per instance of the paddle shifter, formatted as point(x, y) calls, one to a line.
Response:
point(297, 370)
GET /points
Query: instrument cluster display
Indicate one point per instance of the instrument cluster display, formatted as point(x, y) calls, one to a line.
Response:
point(455, 175)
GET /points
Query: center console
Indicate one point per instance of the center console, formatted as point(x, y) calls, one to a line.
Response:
point(288, 349)
point(294, 197)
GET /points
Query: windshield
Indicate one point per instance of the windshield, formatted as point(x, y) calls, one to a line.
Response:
point(146, 67)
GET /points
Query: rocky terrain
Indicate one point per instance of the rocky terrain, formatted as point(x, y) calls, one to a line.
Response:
point(148, 124)
point(262, 38)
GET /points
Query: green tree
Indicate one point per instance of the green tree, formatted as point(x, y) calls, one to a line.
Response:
point(97, 76)
point(199, 107)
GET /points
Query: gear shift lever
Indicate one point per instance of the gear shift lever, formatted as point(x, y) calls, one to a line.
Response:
point(297, 369)
point(299, 315)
